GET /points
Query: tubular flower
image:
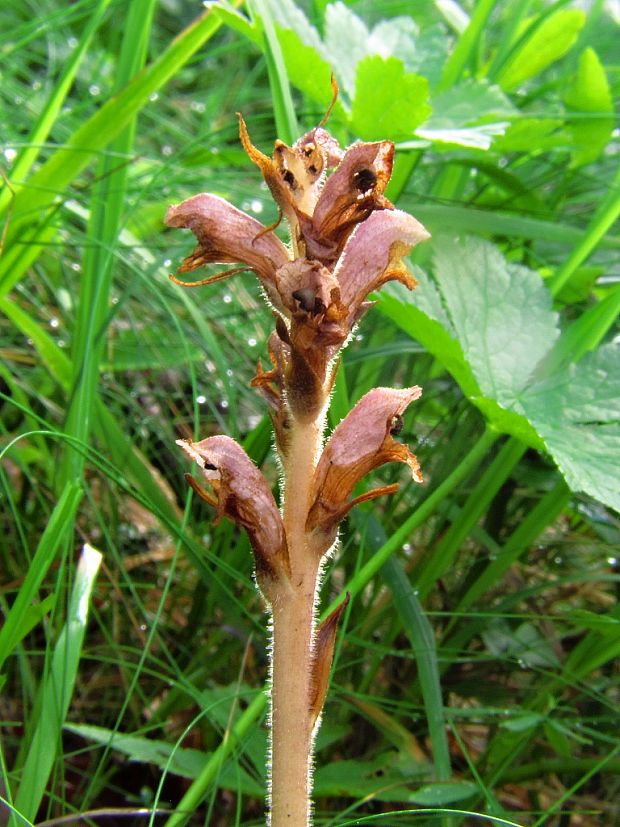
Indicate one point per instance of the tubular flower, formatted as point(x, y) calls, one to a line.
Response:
point(242, 493)
point(364, 440)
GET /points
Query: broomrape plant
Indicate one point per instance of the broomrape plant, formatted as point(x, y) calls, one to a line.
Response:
point(346, 240)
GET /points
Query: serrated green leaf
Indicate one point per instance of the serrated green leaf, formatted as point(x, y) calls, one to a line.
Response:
point(389, 102)
point(590, 96)
point(547, 43)
point(491, 325)
point(501, 314)
point(577, 413)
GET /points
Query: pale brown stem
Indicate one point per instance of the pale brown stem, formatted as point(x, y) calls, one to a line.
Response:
point(293, 634)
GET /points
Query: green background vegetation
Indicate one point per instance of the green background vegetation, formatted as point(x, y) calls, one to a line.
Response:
point(477, 666)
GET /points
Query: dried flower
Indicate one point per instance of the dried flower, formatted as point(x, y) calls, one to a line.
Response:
point(242, 493)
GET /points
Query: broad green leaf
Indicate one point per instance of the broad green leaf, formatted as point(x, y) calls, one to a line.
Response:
point(542, 45)
point(470, 102)
point(589, 97)
point(436, 795)
point(470, 114)
point(346, 43)
point(491, 325)
point(389, 102)
point(577, 413)
point(501, 314)
point(187, 763)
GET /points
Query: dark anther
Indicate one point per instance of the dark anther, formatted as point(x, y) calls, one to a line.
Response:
point(309, 148)
point(289, 178)
point(364, 179)
point(396, 425)
point(282, 330)
point(312, 169)
point(319, 306)
point(209, 467)
point(306, 297)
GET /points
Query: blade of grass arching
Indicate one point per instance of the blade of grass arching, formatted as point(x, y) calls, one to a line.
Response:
point(61, 519)
point(122, 451)
point(510, 30)
point(468, 464)
point(108, 204)
point(197, 790)
point(28, 155)
point(467, 45)
point(603, 219)
point(22, 244)
point(465, 219)
point(532, 526)
point(57, 688)
point(586, 332)
point(418, 629)
point(440, 558)
point(284, 110)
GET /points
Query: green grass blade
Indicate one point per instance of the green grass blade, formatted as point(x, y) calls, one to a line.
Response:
point(441, 557)
point(29, 154)
point(55, 533)
point(108, 205)
point(199, 788)
point(86, 143)
point(57, 689)
point(283, 107)
point(420, 634)
point(467, 45)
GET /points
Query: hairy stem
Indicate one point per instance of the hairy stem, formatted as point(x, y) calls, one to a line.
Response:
point(293, 635)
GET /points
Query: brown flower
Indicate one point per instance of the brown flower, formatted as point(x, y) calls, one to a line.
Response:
point(363, 441)
point(242, 493)
point(347, 240)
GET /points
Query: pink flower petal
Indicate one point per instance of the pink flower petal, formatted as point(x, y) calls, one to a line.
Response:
point(373, 255)
point(228, 235)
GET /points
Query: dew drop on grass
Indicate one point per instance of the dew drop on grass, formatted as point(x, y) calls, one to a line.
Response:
point(197, 106)
point(76, 267)
point(227, 298)
point(256, 206)
point(229, 371)
point(252, 341)
point(223, 403)
point(72, 42)
point(94, 90)
point(166, 150)
point(613, 561)
point(201, 399)
point(9, 154)
point(54, 322)
point(154, 96)
point(168, 262)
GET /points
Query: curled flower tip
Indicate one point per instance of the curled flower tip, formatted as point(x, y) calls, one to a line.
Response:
point(374, 255)
point(227, 235)
point(241, 493)
point(364, 440)
point(322, 657)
